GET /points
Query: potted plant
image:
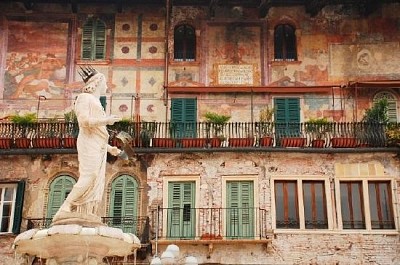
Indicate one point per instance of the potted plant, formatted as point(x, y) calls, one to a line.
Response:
point(266, 127)
point(71, 130)
point(371, 130)
point(392, 134)
point(318, 129)
point(215, 124)
point(24, 129)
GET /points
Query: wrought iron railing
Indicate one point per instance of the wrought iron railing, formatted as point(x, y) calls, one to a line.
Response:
point(206, 135)
point(139, 226)
point(210, 223)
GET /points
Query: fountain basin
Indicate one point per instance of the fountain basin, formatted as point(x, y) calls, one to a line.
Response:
point(75, 244)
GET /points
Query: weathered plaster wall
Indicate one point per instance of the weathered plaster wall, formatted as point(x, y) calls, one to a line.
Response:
point(303, 247)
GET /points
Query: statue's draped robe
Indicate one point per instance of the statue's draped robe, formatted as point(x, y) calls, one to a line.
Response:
point(92, 153)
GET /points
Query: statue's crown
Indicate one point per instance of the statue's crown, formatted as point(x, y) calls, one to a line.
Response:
point(87, 72)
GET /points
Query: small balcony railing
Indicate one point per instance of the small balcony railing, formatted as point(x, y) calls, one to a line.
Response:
point(139, 226)
point(204, 135)
point(209, 223)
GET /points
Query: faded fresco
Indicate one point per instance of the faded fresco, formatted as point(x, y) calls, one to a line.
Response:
point(36, 60)
point(234, 48)
point(368, 60)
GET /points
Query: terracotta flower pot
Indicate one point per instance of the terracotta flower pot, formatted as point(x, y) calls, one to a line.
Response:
point(241, 142)
point(164, 142)
point(266, 141)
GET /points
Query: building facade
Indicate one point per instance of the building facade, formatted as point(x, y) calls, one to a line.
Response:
point(296, 71)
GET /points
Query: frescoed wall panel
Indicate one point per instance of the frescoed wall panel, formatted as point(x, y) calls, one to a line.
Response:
point(36, 60)
point(234, 49)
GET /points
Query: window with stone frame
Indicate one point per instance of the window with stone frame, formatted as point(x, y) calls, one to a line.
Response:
point(301, 204)
point(366, 204)
point(285, 47)
point(124, 198)
point(11, 203)
point(60, 187)
point(184, 43)
point(93, 40)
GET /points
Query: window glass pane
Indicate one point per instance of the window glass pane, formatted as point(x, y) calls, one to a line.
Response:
point(380, 205)
point(351, 205)
point(8, 194)
point(286, 204)
point(314, 205)
point(5, 220)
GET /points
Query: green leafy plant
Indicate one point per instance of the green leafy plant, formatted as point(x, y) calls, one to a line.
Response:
point(70, 116)
point(378, 112)
point(24, 124)
point(216, 123)
point(265, 125)
point(318, 127)
point(392, 134)
point(71, 126)
point(372, 130)
point(24, 119)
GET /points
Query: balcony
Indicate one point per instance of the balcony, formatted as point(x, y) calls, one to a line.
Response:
point(210, 226)
point(158, 137)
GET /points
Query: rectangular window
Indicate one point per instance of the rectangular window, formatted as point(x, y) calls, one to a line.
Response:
point(352, 205)
point(181, 209)
point(302, 204)
point(7, 207)
point(314, 199)
point(380, 204)
point(286, 204)
point(240, 209)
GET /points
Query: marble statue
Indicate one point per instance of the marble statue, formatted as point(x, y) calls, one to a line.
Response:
point(92, 145)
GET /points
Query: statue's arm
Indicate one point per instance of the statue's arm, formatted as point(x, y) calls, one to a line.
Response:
point(113, 150)
point(82, 109)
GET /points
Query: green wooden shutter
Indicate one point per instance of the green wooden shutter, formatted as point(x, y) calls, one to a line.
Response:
point(59, 190)
point(100, 40)
point(93, 39)
point(87, 36)
point(123, 203)
point(19, 202)
point(240, 209)
point(181, 210)
point(184, 117)
point(287, 117)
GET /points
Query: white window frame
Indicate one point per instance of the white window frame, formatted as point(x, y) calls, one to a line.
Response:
point(11, 221)
point(299, 181)
point(254, 179)
point(166, 181)
point(367, 213)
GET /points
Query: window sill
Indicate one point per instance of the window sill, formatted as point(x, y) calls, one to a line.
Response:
point(277, 63)
point(93, 62)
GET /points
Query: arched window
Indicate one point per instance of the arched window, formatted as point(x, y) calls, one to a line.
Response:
point(285, 43)
point(124, 203)
point(60, 187)
point(392, 104)
point(94, 39)
point(184, 43)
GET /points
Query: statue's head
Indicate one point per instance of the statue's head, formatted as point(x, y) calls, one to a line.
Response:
point(95, 82)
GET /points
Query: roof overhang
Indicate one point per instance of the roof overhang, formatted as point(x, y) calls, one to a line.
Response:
point(375, 84)
point(247, 89)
